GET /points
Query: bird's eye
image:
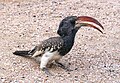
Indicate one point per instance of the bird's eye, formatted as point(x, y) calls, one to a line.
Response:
point(72, 22)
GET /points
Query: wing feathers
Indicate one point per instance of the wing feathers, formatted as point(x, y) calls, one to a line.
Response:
point(51, 45)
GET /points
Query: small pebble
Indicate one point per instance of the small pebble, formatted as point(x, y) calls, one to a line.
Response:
point(76, 68)
point(34, 15)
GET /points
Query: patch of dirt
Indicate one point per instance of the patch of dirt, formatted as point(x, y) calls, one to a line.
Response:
point(95, 57)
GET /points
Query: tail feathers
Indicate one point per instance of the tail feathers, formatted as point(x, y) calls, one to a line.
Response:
point(22, 53)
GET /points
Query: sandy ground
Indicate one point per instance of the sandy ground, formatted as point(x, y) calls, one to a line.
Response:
point(95, 57)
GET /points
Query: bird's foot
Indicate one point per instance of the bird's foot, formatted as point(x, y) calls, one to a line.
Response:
point(63, 67)
point(46, 71)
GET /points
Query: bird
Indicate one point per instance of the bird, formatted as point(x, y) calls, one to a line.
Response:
point(54, 48)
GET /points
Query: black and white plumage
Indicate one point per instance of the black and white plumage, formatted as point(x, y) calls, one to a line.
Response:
point(54, 48)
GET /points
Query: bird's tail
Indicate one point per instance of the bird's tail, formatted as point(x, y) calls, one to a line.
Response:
point(22, 53)
point(27, 53)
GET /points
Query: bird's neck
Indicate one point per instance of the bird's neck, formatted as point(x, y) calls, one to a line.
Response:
point(70, 37)
point(68, 43)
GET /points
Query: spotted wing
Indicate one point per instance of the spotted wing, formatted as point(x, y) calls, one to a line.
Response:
point(49, 45)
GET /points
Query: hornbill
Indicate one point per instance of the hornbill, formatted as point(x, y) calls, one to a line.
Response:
point(54, 48)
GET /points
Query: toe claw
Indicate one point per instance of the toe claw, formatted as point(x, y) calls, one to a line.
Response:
point(47, 72)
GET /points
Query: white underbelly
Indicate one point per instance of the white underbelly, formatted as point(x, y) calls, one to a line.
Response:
point(50, 56)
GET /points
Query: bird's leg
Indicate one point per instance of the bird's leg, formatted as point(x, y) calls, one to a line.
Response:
point(62, 66)
point(46, 71)
point(43, 64)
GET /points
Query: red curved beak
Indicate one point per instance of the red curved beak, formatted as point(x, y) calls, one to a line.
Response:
point(88, 21)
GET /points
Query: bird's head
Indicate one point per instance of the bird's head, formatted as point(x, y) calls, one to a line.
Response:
point(73, 23)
